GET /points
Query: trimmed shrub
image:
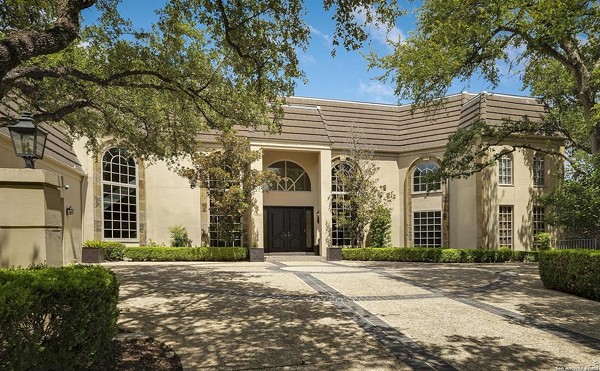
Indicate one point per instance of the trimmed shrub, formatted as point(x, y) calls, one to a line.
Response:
point(57, 318)
point(114, 251)
point(179, 236)
point(431, 255)
point(572, 271)
point(186, 253)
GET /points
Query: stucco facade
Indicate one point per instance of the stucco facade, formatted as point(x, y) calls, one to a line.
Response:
point(121, 199)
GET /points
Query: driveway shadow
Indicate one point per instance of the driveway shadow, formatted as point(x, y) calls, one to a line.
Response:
point(225, 320)
point(475, 353)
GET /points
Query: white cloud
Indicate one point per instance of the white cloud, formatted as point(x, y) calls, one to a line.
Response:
point(379, 31)
point(307, 58)
point(327, 39)
point(375, 91)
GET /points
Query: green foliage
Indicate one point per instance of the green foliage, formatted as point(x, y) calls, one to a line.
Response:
point(229, 180)
point(179, 236)
point(431, 255)
point(380, 230)
point(363, 199)
point(572, 271)
point(57, 318)
point(113, 251)
point(94, 244)
point(575, 204)
point(556, 45)
point(203, 64)
point(543, 241)
point(186, 253)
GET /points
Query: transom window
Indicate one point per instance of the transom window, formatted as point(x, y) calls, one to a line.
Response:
point(339, 209)
point(505, 226)
point(419, 177)
point(290, 177)
point(119, 194)
point(539, 170)
point(427, 228)
point(505, 169)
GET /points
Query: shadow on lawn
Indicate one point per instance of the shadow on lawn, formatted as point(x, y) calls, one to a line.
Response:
point(193, 309)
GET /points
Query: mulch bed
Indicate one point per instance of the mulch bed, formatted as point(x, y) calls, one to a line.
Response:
point(143, 354)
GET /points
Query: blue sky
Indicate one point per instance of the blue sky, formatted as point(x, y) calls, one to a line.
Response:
point(345, 76)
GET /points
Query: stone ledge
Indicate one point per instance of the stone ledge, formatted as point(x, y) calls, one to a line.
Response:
point(29, 176)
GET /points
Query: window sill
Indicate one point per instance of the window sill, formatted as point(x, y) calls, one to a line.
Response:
point(427, 193)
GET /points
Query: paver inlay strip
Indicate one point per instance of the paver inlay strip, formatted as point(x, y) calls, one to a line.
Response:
point(574, 336)
point(400, 345)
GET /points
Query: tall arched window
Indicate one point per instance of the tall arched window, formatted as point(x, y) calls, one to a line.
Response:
point(505, 169)
point(290, 177)
point(119, 194)
point(340, 236)
point(419, 177)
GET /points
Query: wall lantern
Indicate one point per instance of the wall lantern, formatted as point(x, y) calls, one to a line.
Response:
point(29, 141)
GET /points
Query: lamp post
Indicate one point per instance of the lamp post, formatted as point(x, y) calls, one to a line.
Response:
point(29, 141)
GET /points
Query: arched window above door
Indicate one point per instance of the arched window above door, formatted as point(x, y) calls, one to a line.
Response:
point(291, 177)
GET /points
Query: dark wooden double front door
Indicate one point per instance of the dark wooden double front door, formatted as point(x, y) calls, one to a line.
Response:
point(289, 229)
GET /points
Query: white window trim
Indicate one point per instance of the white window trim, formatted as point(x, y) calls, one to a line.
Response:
point(413, 180)
point(441, 227)
point(512, 227)
point(137, 200)
point(509, 157)
point(541, 157)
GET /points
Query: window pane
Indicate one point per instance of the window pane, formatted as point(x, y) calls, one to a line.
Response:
point(419, 177)
point(505, 232)
point(427, 229)
point(119, 194)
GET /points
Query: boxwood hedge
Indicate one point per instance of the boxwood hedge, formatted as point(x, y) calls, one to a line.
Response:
point(185, 253)
point(572, 271)
point(57, 318)
point(431, 255)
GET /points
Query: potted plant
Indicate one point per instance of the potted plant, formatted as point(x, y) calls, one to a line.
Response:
point(92, 252)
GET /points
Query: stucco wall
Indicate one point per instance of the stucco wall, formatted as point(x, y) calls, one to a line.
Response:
point(521, 194)
point(170, 201)
point(73, 196)
point(463, 213)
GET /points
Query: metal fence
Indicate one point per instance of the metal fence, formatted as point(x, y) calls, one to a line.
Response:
point(576, 243)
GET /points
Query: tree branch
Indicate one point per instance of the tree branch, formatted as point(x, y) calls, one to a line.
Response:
point(20, 46)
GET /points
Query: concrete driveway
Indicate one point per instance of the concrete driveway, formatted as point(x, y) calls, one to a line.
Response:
point(359, 315)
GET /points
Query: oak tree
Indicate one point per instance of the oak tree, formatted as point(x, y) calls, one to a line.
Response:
point(203, 64)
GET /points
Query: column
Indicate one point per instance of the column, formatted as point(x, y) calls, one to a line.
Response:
point(324, 212)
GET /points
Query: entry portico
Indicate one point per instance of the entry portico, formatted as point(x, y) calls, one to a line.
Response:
point(291, 216)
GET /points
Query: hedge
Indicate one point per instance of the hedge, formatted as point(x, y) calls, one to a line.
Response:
point(572, 271)
point(57, 318)
point(432, 255)
point(186, 253)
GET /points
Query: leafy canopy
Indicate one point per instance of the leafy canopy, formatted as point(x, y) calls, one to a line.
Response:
point(230, 181)
point(204, 64)
point(555, 43)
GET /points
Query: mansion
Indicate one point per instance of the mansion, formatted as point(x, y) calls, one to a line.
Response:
point(114, 197)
